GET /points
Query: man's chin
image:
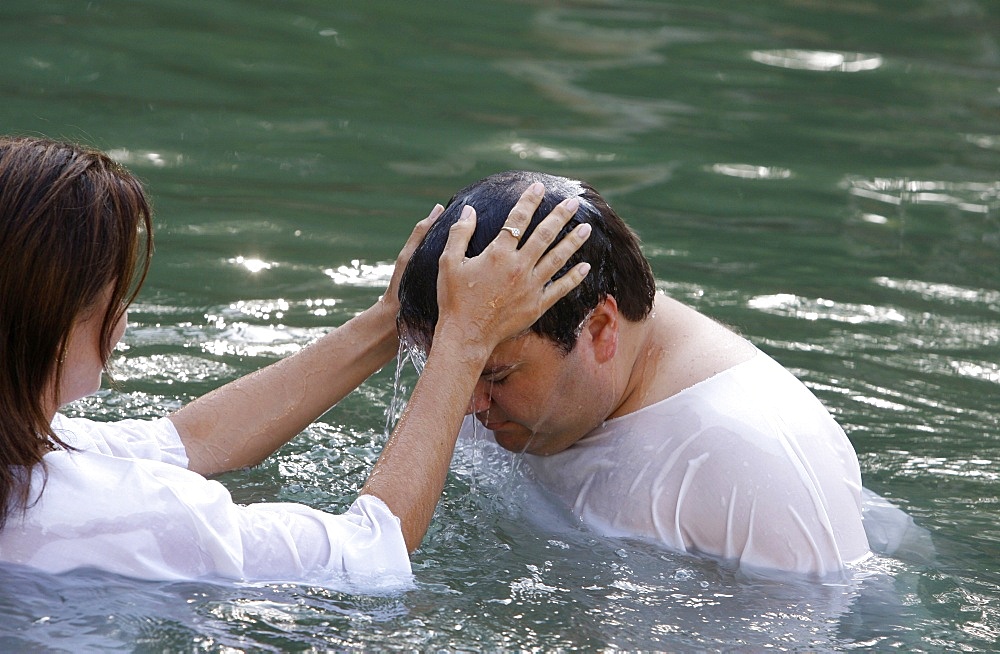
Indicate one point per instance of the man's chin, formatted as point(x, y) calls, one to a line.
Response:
point(513, 440)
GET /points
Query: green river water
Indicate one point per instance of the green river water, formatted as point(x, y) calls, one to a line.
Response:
point(823, 176)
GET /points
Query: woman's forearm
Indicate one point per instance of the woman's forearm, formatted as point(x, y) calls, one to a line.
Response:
point(241, 423)
point(410, 473)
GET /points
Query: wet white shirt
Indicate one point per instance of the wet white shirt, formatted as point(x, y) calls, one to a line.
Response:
point(125, 502)
point(747, 467)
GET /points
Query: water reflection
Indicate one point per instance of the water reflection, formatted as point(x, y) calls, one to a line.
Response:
point(594, 43)
point(949, 293)
point(821, 175)
point(750, 171)
point(361, 274)
point(252, 264)
point(583, 42)
point(140, 158)
point(801, 308)
point(819, 60)
point(169, 369)
point(975, 197)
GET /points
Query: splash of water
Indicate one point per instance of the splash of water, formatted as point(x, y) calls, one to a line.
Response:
point(399, 391)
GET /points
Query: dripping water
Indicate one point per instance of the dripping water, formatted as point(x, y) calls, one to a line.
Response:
point(399, 390)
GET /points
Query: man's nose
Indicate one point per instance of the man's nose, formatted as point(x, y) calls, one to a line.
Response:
point(480, 398)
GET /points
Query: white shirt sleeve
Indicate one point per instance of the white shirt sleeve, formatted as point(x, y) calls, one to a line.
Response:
point(117, 505)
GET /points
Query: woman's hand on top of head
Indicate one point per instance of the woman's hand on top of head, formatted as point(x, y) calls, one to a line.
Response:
point(498, 294)
point(390, 299)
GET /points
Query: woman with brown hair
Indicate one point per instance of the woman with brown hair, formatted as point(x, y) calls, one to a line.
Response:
point(130, 497)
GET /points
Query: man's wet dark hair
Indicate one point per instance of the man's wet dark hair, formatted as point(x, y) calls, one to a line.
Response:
point(618, 267)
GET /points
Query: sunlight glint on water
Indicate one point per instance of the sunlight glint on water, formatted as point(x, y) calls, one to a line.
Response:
point(820, 176)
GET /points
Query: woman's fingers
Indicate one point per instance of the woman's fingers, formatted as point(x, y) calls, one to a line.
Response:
point(520, 216)
point(412, 242)
point(458, 237)
point(553, 260)
point(505, 289)
point(547, 231)
point(555, 291)
point(417, 236)
point(420, 229)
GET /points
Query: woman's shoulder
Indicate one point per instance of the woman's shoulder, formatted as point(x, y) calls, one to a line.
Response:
point(155, 439)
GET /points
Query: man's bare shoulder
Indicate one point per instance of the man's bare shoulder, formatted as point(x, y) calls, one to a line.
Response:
point(692, 348)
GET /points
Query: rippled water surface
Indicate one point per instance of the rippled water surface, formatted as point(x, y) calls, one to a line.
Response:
point(825, 177)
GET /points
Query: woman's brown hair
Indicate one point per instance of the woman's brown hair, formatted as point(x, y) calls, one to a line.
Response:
point(72, 223)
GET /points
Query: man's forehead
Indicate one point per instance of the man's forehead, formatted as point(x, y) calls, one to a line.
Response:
point(525, 346)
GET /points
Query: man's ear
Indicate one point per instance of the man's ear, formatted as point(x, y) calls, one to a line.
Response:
point(602, 325)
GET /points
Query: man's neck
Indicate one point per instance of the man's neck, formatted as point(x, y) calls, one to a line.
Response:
point(674, 348)
point(640, 356)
